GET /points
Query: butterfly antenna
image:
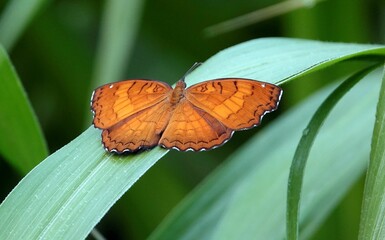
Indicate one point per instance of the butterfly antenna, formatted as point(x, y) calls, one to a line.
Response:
point(192, 68)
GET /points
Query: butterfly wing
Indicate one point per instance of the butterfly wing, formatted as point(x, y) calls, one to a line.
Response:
point(237, 103)
point(190, 128)
point(140, 131)
point(112, 103)
point(132, 114)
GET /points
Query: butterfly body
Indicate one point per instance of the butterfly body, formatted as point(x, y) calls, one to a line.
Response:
point(141, 114)
point(178, 92)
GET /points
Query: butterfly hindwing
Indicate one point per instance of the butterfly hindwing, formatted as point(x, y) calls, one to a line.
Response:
point(140, 131)
point(190, 128)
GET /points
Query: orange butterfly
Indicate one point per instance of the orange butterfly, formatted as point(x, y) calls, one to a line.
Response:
point(141, 114)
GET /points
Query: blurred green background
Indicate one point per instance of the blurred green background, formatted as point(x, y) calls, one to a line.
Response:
point(58, 57)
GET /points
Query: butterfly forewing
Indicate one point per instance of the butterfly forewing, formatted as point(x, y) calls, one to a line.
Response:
point(235, 102)
point(114, 102)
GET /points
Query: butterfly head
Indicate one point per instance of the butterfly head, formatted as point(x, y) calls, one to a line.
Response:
point(180, 84)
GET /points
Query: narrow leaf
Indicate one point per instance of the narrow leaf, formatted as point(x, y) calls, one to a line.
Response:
point(302, 152)
point(22, 143)
point(278, 60)
point(257, 16)
point(119, 27)
point(373, 213)
point(15, 18)
point(246, 197)
point(67, 194)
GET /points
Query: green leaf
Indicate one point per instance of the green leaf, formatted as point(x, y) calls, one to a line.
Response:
point(257, 16)
point(373, 213)
point(279, 59)
point(118, 32)
point(302, 152)
point(68, 193)
point(246, 197)
point(16, 16)
point(22, 142)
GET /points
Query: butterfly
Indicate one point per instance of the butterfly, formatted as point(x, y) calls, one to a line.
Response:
point(140, 114)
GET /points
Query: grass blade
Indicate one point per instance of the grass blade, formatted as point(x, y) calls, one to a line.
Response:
point(279, 59)
point(257, 16)
point(68, 193)
point(302, 152)
point(24, 145)
point(373, 213)
point(119, 27)
point(246, 197)
point(16, 16)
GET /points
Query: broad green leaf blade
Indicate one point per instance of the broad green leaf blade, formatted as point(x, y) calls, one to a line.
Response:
point(16, 16)
point(86, 181)
point(302, 152)
point(246, 197)
point(66, 195)
point(279, 59)
point(373, 215)
point(118, 32)
point(22, 142)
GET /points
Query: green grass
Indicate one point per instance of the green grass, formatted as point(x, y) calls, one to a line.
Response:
point(118, 32)
point(372, 226)
point(303, 150)
point(57, 51)
point(15, 18)
point(24, 147)
point(68, 193)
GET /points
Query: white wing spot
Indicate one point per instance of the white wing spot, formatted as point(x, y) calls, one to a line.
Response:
point(263, 85)
point(112, 85)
